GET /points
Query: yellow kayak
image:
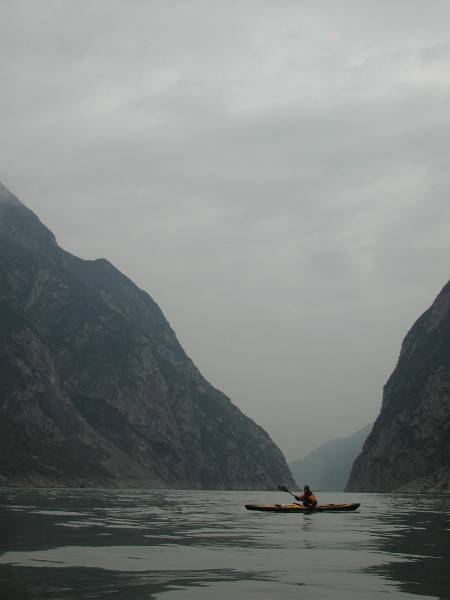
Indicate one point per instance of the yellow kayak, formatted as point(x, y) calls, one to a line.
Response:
point(299, 508)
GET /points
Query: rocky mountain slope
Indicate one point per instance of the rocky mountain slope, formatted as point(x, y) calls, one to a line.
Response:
point(409, 446)
point(327, 467)
point(95, 389)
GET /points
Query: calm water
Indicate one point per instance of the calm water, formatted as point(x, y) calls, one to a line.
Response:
point(135, 544)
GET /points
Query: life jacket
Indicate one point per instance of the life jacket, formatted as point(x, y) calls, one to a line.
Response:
point(308, 499)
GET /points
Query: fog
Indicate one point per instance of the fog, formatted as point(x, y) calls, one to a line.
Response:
point(275, 174)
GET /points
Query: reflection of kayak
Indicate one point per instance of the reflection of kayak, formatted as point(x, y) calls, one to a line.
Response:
point(299, 508)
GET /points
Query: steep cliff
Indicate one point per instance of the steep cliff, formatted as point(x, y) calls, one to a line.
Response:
point(95, 389)
point(409, 446)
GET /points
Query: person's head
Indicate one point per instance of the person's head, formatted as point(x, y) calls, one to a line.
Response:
point(306, 488)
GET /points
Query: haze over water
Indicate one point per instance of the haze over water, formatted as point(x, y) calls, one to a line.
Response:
point(170, 545)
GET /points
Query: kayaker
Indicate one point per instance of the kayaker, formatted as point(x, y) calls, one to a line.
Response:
point(308, 498)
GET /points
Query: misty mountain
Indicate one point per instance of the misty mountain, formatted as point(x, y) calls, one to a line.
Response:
point(327, 468)
point(95, 389)
point(409, 446)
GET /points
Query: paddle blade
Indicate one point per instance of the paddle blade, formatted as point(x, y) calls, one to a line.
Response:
point(284, 488)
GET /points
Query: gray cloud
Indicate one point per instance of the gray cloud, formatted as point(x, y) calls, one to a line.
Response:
point(274, 174)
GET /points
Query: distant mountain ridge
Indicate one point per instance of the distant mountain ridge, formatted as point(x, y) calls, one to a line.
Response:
point(409, 446)
point(95, 389)
point(327, 468)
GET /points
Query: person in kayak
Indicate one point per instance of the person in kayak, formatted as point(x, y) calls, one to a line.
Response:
point(308, 498)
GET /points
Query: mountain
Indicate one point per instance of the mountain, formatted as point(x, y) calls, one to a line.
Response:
point(409, 446)
point(95, 389)
point(327, 468)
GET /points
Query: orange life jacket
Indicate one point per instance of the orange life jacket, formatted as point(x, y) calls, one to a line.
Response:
point(308, 499)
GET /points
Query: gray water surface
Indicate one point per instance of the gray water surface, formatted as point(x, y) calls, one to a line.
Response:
point(181, 545)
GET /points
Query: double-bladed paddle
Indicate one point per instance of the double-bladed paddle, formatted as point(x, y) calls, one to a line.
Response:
point(285, 489)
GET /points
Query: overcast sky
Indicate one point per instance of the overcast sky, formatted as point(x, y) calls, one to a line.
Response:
point(274, 173)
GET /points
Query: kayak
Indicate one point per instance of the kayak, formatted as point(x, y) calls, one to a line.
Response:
point(299, 508)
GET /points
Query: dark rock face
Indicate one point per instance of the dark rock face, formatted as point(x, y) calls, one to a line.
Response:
point(409, 446)
point(95, 389)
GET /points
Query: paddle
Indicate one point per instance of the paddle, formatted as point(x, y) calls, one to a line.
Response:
point(285, 489)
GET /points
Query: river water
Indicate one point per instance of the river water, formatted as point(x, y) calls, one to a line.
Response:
point(168, 545)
